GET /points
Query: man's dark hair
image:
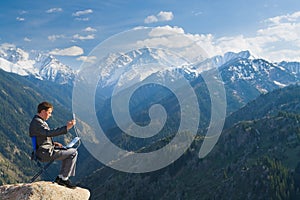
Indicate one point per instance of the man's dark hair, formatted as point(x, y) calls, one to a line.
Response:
point(44, 106)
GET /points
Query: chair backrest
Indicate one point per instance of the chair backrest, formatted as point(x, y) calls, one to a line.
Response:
point(33, 141)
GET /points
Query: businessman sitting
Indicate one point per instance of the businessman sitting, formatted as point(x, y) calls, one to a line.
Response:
point(47, 150)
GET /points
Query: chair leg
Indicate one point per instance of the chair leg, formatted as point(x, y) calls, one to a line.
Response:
point(42, 170)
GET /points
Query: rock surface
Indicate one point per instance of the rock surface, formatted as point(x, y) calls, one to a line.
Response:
point(42, 190)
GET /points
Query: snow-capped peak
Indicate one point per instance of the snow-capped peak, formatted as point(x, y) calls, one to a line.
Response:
point(136, 65)
point(34, 64)
point(12, 53)
point(229, 56)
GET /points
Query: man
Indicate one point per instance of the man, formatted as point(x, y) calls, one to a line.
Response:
point(48, 150)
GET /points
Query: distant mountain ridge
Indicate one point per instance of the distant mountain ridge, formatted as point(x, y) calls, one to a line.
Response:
point(293, 67)
point(130, 66)
point(244, 76)
point(241, 65)
point(233, 67)
point(34, 64)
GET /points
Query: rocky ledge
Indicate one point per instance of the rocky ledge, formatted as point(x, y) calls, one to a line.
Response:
point(42, 190)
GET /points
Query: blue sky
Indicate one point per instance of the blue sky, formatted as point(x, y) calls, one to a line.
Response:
point(68, 29)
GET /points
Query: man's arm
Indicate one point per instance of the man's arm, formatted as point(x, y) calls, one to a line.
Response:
point(39, 127)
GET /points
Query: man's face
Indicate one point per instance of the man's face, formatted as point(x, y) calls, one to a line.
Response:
point(46, 114)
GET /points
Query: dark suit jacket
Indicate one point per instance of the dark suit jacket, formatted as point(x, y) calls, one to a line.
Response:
point(45, 146)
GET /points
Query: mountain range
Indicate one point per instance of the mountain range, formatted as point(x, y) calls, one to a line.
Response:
point(236, 69)
point(256, 157)
point(262, 117)
point(34, 64)
point(239, 71)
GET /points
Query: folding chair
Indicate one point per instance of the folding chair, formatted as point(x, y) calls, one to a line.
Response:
point(42, 167)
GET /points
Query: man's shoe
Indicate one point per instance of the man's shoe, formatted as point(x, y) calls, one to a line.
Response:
point(66, 183)
point(57, 179)
point(69, 184)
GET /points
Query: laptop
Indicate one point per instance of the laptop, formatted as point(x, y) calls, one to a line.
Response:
point(72, 143)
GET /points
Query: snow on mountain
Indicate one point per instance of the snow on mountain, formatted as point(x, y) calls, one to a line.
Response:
point(245, 79)
point(140, 64)
point(34, 64)
point(123, 70)
point(257, 70)
point(219, 60)
point(293, 67)
point(16, 60)
point(244, 76)
point(126, 69)
point(51, 69)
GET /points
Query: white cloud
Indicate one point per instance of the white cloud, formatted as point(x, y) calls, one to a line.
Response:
point(23, 12)
point(160, 17)
point(197, 13)
point(287, 31)
point(89, 59)
point(87, 37)
point(90, 29)
point(26, 39)
point(71, 51)
point(165, 16)
point(284, 18)
point(167, 36)
point(82, 19)
point(7, 46)
point(278, 40)
point(175, 39)
point(82, 12)
point(20, 19)
point(55, 37)
point(165, 30)
point(151, 19)
point(53, 10)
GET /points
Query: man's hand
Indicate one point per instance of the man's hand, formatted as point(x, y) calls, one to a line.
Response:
point(57, 144)
point(70, 124)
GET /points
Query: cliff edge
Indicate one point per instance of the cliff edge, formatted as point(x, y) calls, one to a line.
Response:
point(42, 190)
